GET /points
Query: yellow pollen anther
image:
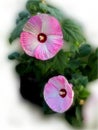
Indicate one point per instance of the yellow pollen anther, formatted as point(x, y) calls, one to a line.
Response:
point(61, 93)
point(43, 1)
point(81, 102)
point(41, 37)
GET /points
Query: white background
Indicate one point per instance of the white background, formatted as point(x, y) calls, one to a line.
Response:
point(15, 112)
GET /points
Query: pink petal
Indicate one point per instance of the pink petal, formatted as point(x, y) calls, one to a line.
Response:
point(66, 103)
point(54, 44)
point(66, 85)
point(42, 52)
point(51, 95)
point(50, 48)
point(56, 82)
point(57, 103)
point(50, 25)
point(62, 80)
point(33, 25)
point(28, 42)
point(54, 104)
point(50, 92)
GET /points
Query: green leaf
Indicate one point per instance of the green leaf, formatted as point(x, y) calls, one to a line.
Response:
point(93, 74)
point(52, 10)
point(74, 48)
point(60, 62)
point(44, 66)
point(24, 68)
point(22, 15)
point(79, 115)
point(93, 66)
point(16, 32)
point(72, 31)
point(84, 50)
point(43, 7)
point(83, 94)
point(14, 55)
point(74, 64)
point(74, 116)
point(96, 53)
point(78, 79)
point(24, 58)
point(33, 6)
point(55, 12)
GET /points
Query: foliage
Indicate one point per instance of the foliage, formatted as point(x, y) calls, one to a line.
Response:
point(51, 10)
point(84, 50)
point(79, 63)
point(13, 56)
point(76, 119)
point(33, 6)
point(21, 20)
point(92, 65)
point(72, 31)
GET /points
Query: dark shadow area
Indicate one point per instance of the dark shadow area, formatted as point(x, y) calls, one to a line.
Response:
point(29, 89)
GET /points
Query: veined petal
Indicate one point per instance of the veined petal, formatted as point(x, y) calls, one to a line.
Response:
point(33, 25)
point(50, 25)
point(54, 43)
point(54, 104)
point(66, 103)
point(50, 91)
point(68, 87)
point(42, 52)
point(28, 42)
point(57, 83)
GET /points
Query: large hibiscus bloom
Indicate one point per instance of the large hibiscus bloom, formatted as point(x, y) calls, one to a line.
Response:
point(58, 94)
point(42, 37)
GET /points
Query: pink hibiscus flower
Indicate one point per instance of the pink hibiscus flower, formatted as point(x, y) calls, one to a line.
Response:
point(42, 37)
point(58, 94)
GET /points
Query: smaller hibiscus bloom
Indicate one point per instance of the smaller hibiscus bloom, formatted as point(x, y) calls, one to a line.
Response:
point(58, 94)
point(42, 37)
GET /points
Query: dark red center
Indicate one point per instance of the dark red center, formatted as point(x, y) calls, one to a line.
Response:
point(62, 93)
point(42, 37)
